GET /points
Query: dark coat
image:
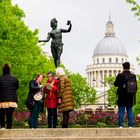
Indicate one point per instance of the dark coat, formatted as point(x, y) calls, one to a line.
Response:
point(33, 88)
point(124, 98)
point(8, 86)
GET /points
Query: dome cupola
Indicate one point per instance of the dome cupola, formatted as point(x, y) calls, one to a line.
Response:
point(110, 44)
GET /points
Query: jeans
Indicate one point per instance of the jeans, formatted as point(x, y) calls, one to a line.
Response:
point(6, 117)
point(34, 114)
point(65, 119)
point(52, 117)
point(129, 115)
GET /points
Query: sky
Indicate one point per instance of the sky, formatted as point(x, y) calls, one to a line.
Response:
point(89, 18)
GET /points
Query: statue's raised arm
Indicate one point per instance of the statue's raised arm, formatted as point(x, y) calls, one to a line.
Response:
point(56, 43)
point(69, 29)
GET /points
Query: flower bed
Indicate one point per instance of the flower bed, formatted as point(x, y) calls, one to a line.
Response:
point(77, 119)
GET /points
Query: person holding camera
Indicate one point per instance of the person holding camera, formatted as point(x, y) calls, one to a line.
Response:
point(50, 89)
point(34, 100)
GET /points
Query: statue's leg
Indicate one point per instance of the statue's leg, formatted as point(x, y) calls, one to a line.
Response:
point(59, 52)
point(54, 54)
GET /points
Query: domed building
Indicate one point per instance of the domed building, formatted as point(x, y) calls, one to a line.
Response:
point(108, 56)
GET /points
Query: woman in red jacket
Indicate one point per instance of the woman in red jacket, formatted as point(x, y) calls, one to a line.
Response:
point(50, 89)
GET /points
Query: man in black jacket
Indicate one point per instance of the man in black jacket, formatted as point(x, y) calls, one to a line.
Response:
point(125, 99)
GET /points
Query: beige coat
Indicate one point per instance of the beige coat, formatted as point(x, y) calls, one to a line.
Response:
point(65, 93)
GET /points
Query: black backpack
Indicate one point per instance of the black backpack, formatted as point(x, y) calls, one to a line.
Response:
point(130, 83)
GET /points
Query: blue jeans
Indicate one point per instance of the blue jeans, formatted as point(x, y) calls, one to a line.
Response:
point(34, 113)
point(129, 115)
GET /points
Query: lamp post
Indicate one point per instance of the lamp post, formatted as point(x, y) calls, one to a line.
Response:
point(93, 80)
point(104, 90)
point(104, 93)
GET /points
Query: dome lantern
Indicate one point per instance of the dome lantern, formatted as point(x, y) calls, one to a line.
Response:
point(110, 44)
point(109, 28)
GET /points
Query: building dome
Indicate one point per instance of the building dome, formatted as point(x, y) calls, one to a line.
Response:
point(109, 45)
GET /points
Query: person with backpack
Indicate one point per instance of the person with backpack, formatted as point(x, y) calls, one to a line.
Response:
point(127, 88)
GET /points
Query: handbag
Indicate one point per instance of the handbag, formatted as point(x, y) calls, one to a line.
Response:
point(38, 96)
point(29, 103)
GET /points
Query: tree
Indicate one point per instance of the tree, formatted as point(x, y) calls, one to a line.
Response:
point(18, 47)
point(135, 8)
point(136, 108)
point(112, 96)
point(83, 93)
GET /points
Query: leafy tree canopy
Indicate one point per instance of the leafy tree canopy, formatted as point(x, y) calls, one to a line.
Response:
point(136, 108)
point(112, 96)
point(135, 8)
point(83, 93)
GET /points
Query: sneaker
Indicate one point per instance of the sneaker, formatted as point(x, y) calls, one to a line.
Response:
point(130, 126)
point(120, 127)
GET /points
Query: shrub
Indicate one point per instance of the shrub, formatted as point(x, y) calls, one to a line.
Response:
point(77, 119)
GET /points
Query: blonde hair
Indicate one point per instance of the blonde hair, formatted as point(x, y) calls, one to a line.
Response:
point(60, 71)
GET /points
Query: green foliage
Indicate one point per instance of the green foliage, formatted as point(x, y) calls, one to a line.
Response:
point(138, 59)
point(83, 93)
point(136, 108)
point(112, 96)
point(18, 47)
point(135, 8)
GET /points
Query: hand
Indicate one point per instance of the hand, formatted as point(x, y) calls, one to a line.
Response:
point(41, 86)
point(68, 22)
point(48, 86)
point(59, 101)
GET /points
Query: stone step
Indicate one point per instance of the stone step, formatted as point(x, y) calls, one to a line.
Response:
point(65, 138)
point(71, 134)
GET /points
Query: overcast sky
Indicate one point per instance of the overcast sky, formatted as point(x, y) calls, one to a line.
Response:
point(89, 18)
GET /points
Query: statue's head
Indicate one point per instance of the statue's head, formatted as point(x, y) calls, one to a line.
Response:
point(54, 23)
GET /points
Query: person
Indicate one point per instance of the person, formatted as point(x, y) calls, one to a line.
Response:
point(56, 43)
point(65, 96)
point(125, 99)
point(8, 96)
point(34, 87)
point(50, 89)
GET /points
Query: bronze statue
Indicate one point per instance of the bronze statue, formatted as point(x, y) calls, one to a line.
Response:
point(56, 43)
